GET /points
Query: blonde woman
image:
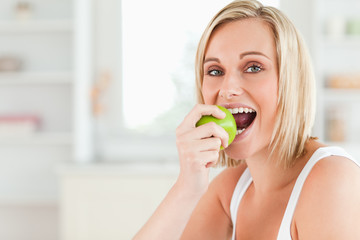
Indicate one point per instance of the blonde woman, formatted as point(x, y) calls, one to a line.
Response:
point(280, 183)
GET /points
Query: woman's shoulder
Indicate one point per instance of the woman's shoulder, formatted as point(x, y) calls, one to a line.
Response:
point(330, 196)
point(224, 183)
point(332, 173)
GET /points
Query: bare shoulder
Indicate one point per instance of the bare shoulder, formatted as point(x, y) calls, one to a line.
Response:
point(224, 184)
point(329, 204)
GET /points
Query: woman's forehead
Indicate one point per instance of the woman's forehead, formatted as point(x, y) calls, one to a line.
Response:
point(247, 35)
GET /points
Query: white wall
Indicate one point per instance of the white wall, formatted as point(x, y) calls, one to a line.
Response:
point(301, 14)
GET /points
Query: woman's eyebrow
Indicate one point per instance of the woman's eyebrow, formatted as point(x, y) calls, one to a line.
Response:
point(252, 53)
point(211, 60)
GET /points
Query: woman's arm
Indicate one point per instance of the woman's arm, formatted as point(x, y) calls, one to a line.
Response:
point(211, 219)
point(171, 217)
point(198, 149)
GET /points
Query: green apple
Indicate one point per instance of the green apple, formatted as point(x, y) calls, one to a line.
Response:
point(228, 123)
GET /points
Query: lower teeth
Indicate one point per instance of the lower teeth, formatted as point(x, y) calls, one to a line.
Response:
point(239, 131)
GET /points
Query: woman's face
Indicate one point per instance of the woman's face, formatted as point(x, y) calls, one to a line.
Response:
point(240, 73)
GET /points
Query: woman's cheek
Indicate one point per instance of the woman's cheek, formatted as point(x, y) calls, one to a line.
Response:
point(209, 92)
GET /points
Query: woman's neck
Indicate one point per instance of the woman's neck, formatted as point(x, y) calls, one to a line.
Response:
point(269, 177)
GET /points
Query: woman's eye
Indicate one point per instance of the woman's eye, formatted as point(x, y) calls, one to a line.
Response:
point(215, 72)
point(253, 69)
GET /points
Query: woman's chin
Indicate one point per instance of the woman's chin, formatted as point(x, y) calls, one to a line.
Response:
point(236, 153)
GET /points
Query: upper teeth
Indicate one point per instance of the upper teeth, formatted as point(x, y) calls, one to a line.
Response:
point(241, 110)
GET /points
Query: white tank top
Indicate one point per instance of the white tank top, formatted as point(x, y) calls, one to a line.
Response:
point(246, 179)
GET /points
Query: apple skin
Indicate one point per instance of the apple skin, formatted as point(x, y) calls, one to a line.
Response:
point(228, 123)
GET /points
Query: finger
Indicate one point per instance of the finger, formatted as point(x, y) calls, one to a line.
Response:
point(208, 130)
point(208, 144)
point(203, 159)
point(203, 110)
point(210, 158)
point(192, 157)
point(188, 147)
point(211, 130)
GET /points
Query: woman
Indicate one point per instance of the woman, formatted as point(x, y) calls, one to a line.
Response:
point(280, 182)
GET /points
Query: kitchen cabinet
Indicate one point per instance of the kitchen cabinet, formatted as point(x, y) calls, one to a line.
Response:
point(336, 54)
point(112, 200)
point(45, 69)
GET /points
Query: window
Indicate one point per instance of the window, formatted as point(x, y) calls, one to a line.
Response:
point(159, 40)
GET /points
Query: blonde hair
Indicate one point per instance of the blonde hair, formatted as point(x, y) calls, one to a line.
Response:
point(296, 84)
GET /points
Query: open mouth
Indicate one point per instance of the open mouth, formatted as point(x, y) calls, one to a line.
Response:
point(243, 117)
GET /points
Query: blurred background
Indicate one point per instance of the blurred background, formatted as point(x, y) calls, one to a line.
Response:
point(91, 93)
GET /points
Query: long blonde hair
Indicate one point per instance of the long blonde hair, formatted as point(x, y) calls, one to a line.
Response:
point(296, 91)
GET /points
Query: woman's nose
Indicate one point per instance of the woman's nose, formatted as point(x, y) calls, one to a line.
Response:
point(230, 93)
point(231, 88)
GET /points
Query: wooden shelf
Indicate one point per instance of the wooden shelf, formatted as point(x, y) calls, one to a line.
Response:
point(28, 201)
point(41, 138)
point(35, 78)
point(33, 26)
point(341, 94)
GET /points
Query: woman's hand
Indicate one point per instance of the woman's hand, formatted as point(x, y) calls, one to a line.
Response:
point(198, 148)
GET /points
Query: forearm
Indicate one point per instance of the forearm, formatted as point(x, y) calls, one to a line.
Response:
point(198, 148)
point(170, 218)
